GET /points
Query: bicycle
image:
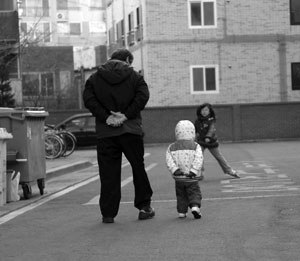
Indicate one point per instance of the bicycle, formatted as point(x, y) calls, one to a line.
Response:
point(58, 143)
point(69, 142)
point(53, 146)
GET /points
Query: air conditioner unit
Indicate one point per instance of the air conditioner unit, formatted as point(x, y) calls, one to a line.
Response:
point(61, 16)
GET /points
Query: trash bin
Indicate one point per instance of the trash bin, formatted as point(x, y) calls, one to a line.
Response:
point(27, 145)
point(4, 137)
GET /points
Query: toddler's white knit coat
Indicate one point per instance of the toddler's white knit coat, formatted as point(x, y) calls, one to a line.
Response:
point(184, 154)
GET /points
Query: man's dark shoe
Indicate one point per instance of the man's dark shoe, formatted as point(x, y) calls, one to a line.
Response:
point(108, 220)
point(146, 213)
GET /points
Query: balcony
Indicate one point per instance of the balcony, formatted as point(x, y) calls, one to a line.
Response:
point(130, 38)
point(9, 27)
point(111, 48)
point(30, 11)
point(121, 42)
point(139, 33)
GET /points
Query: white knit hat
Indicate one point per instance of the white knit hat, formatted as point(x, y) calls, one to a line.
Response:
point(185, 130)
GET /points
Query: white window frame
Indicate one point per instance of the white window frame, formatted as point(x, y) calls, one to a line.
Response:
point(37, 30)
point(93, 3)
point(96, 27)
point(202, 16)
point(216, 67)
point(63, 28)
point(39, 74)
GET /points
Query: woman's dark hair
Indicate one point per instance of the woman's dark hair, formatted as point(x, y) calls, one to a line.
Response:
point(122, 54)
point(209, 106)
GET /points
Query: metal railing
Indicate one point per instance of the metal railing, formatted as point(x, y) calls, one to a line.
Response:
point(31, 11)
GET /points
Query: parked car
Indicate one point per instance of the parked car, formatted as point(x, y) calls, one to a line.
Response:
point(82, 126)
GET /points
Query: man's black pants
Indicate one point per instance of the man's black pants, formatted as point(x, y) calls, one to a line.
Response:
point(109, 154)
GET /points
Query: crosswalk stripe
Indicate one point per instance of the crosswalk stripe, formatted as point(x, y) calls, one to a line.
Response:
point(266, 179)
point(224, 198)
point(95, 200)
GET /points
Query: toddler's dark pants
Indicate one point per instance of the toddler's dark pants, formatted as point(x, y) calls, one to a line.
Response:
point(188, 194)
point(109, 155)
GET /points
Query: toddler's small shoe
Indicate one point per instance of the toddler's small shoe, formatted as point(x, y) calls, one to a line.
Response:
point(196, 212)
point(146, 213)
point(233, 173)
point(182, 215)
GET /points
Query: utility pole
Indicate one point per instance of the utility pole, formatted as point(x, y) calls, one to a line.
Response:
point(20, 72)
point(81, 86)
point(124, 25)
point(142, 37)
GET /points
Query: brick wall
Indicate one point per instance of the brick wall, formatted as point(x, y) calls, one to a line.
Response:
point(253, 46)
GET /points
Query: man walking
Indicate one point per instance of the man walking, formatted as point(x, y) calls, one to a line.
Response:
point(116, 94)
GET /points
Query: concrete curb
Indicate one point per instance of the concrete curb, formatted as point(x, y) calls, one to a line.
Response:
point(58, 171)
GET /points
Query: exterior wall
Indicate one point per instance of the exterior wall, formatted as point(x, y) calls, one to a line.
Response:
point(88, 46)
point(235, 122)
point(253, 46)
point(9, 26)
point(59, 62)
point(116, 11)
point(9, 39)
point(84, 14)
point(244, 76)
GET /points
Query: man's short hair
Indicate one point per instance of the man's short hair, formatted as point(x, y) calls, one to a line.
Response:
point(122, 54)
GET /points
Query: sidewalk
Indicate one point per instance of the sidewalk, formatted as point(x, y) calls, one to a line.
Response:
point(79, 159)
point(60, 174)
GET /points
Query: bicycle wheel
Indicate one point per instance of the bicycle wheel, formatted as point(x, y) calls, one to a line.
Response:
point(53, 146)
point(69, 143)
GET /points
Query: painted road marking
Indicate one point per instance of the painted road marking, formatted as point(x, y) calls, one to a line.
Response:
point(270, 171)
point(265, 189)
point(266, 179)
point(48, 198)
point(95, 200)
point(264, 165)
point(223, 198)
point(245, 180)
point(44, 200)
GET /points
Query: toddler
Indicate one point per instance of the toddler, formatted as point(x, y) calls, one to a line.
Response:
point(184, 160)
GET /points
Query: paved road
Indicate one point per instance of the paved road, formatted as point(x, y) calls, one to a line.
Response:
point(253, 218)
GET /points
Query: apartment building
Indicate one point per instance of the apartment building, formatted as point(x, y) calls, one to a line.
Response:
point(77, 23)
point(218, 51)
point(9, 41)
point(58, 38)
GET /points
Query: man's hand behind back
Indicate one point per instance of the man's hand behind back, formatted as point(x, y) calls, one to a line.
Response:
point(116, 119)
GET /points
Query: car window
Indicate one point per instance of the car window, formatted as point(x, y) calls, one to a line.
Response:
point(79, 122)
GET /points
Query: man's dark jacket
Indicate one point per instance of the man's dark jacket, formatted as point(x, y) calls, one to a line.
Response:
point(116, 87)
